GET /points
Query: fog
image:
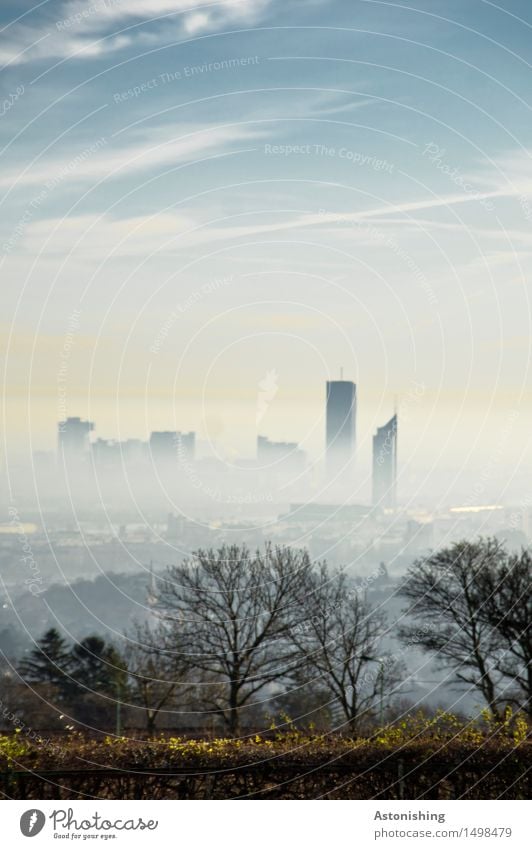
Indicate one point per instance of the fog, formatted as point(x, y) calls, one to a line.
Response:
point(91, 529)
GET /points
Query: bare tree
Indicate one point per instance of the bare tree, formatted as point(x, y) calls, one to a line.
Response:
point(340, 642)
point(448, 592)
point(507, 607)
point(158, 667)
point(235, 610)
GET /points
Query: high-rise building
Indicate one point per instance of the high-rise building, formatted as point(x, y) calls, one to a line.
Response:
point(340, 426)
point(110, 454)
point(73, 439)
point(283, 455)
point(106, 453)
point(133, 451)
point(385, 465)
point(186, 446)
point(172, 445)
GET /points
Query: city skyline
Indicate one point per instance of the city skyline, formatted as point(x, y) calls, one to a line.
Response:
point(193, 200)
point(274, 457)
point(340, 418)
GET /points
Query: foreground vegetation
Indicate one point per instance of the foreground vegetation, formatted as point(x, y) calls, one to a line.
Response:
point(417, 758)
point(229, 630)
point(235, 637)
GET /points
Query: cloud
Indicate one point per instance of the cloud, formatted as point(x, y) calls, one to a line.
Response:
point(506, 174)
point(171, 231)
point(98, 12)
point(197, 23)
point(99, 236)
point(110, 158)
point(29, 43)
point(89, 28)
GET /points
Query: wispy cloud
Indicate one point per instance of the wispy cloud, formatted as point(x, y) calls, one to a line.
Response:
point(114, 159)
point(96, 237)
point(28, 43)
point(89, 28)
point(511, 173)
point(216, 12)
point(170, 232)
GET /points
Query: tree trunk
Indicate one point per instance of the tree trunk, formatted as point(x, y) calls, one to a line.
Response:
point(528, 695)
point(353, 725)
point(150, 721)
point(234, 719)
point(488, 690)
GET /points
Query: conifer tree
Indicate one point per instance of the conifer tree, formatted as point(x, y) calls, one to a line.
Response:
point(50, 662)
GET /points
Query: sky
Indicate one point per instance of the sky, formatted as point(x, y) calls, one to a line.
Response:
point(198, 198)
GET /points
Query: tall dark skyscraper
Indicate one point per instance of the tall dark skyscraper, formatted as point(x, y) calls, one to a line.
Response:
point(385, 465)
point(341, 426)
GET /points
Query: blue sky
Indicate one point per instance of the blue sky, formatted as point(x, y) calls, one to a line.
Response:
point(261, 186)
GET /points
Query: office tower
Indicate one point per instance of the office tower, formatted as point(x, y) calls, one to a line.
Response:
point(186, 446)
point(133, 451)
point(172, 445)
point(283, 455)
point(385, 465)
point(106, 453)
point(340, 426)
point(73, 439)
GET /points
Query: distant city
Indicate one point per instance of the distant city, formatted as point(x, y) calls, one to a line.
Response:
point(286, 459)
point(92, 527)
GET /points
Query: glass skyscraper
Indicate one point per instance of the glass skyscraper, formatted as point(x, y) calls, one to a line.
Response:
point(385, 465)
point(340, 426)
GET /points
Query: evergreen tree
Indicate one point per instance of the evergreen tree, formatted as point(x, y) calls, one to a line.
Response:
point(97, 666)
point(50, 662)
